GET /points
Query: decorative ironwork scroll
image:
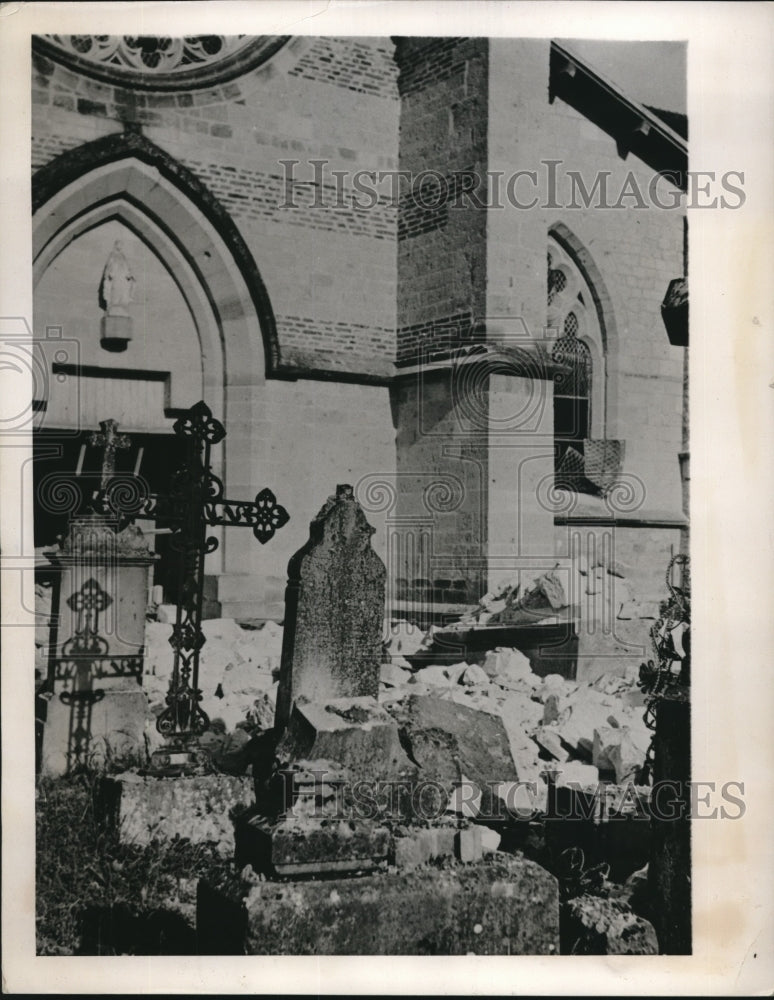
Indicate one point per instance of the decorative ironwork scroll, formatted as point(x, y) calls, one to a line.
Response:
point(194, 503)
point(669, 676)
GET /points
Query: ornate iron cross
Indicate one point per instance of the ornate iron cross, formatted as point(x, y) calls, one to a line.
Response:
point(194, 503)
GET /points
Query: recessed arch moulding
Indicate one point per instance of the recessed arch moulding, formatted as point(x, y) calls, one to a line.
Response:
point(219, 343)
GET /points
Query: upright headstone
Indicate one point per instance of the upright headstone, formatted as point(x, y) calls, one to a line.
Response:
point(334, 609)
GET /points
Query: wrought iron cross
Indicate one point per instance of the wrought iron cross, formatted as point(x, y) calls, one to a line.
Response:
point(110, 441)
point(194, 503)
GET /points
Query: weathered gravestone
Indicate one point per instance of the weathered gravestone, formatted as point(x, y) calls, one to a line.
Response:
point(96, 705)
point(334, 609)
point(347, 800)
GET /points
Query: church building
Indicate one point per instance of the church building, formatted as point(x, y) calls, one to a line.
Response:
point(430, 268)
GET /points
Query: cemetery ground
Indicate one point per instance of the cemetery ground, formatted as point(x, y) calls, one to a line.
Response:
point(100, 894)
point(342, 783)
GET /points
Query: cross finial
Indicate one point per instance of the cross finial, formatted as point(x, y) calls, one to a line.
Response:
point(110, 441)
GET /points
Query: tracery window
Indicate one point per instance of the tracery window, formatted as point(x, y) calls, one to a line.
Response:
point(579, 383)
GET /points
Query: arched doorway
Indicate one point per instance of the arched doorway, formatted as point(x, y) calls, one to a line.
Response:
point(202, 326)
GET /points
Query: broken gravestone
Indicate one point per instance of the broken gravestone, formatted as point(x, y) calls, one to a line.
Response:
point(334, 608)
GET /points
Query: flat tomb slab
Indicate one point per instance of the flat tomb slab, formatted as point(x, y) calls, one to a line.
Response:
point(504, 906)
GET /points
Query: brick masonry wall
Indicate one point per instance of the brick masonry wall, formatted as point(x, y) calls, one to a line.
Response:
point(344, 300)
point(328, 265)
point(441, 251)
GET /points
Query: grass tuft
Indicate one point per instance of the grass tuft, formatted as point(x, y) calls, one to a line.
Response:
point(95, 895)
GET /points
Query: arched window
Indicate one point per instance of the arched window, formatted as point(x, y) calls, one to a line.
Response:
point(579, 384)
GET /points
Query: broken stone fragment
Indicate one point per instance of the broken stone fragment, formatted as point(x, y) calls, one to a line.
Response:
point(490, 839)
point(447, 740)
point(553, 684)
point(548, 738)
point(627, 760)
point(594, 925)
point(572, 773)
point(505, 665)
point(393, 675)
point(433, 676)
point(469, 845)
point(417, 847)
point(402, 637)
point(551, 709)
point(587, 713)
point(543, 599)
point(618, 750)
point(473, 676)
point(261, 715)
point(357, 733)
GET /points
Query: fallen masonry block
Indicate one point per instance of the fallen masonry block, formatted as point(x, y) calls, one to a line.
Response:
point(506, 906)
point(490, 839)
point(593, 925)
point(393, 675)
point(417, 847)
point(199, 809)
point(507, 666)
point(615, 750)
point(548, 738)
point(449, 742)
point(305, 845)
point(469, 845)
point(356, 733)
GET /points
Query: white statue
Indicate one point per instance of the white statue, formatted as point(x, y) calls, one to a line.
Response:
point(116, 289)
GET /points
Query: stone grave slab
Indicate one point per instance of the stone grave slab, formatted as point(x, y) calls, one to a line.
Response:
point(506, 906)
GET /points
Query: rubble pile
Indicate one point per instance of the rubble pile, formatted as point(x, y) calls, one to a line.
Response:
point(238, 671)
point(600, 589)
point(548, 720)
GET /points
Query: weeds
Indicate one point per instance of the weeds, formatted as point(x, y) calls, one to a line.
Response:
point(95, 895)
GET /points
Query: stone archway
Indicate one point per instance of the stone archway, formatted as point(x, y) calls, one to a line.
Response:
point(127, 180)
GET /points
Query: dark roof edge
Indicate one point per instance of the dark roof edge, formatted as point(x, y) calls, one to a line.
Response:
point(610, 88)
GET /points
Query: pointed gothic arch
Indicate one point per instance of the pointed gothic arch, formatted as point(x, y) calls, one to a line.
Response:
point(130, 176)
point(600, 332)
point(128, 179)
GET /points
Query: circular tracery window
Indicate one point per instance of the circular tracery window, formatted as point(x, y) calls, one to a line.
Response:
point(155, 62)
